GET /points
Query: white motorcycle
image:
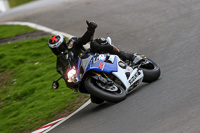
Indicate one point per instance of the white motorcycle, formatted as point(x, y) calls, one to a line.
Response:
point(106, 77)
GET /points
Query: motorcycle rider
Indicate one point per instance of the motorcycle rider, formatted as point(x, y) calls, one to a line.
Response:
point(58, 45)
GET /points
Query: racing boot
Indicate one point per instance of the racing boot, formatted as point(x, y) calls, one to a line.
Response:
point(132, 57)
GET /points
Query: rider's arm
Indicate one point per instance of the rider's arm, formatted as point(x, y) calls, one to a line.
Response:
point(88, 34)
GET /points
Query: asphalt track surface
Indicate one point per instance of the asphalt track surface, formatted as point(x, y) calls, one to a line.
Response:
point(167, 31)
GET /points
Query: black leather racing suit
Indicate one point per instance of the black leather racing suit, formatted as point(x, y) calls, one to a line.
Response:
point(78, 42)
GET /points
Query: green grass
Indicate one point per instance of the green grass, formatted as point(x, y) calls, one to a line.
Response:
point(12, 30)
point(26, 98)
point(14, 3)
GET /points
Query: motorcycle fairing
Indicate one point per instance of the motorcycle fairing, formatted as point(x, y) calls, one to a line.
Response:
point(78, 72)
point(101, 66)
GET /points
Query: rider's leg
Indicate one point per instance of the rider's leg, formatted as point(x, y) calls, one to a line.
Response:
point(133, 57)
point(107, 48)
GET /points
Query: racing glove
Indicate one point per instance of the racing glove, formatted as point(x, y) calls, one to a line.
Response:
point(91, 25)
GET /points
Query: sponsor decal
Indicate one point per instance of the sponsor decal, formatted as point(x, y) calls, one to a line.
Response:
point(128, 69)
point(53, 39)
point(101, 65)
point(133, 78)
point(116, 49)
point(70, 45)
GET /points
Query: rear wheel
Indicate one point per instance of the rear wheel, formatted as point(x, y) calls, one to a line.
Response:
point(113, 93)
point(151, 71)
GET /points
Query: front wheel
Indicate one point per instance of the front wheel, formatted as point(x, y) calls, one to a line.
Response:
point(151, 71)
point(114, 94)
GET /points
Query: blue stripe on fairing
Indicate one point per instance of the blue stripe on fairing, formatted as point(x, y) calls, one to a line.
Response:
point(101, 66)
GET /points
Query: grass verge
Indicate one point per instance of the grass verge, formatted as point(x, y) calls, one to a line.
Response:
point(14, 3)
point(13, 30)
point(27, 69)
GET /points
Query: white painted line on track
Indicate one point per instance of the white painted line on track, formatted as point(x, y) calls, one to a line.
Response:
point(42, 28)
point(48, 127)
point(83, 106)
point(46, 29)
point(39, 27)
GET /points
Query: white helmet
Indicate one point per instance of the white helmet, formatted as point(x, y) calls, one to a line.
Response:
point(57, 44)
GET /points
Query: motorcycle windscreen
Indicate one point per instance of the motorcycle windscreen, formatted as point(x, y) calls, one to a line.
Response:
point(101, 66)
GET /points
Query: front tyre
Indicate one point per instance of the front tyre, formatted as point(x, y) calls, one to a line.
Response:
point(92, 86)
point(151, 71)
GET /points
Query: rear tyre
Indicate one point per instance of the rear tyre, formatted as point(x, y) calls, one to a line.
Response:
point(111, 96)
point(151, 71)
